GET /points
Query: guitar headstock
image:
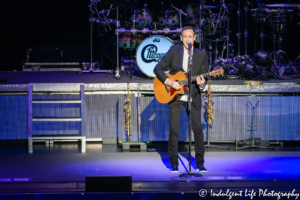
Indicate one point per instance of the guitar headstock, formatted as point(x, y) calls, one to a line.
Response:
point(217, 72)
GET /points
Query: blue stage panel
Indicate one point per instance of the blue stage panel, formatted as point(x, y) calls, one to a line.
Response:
point(56, 110)
point(56, 128)
point(101, 116)
point(13, 117)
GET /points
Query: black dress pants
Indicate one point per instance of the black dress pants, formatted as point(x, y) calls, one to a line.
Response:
point(175, 109)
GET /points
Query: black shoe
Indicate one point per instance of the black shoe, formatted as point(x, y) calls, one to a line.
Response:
point(201, 169)
point(174, 169)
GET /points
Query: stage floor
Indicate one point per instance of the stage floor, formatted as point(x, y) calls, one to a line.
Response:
point(61, 167)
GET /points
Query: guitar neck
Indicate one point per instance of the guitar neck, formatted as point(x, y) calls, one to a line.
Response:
point(185, 81)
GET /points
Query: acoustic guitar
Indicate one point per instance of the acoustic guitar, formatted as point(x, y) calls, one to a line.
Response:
point(165, 94)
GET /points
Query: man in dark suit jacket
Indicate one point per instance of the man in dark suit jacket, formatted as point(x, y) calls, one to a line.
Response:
point(175, 60)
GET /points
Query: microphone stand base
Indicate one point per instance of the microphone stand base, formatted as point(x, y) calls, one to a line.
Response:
point(189, 174)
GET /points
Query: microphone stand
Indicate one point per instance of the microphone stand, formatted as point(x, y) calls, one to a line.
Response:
point(180, 12)
point(190, 66)
point(239, 33)
point(201, 23)
point(263, 13)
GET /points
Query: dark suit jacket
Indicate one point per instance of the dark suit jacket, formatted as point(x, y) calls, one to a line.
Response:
point(173, 61)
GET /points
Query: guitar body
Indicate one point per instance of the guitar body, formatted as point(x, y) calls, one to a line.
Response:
point(164, 93)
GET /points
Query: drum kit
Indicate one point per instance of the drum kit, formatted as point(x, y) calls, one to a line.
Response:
point(151, 33)
point(160, 30)
point(263, 64)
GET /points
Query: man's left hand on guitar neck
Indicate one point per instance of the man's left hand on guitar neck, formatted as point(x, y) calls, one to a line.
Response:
point(200, 81)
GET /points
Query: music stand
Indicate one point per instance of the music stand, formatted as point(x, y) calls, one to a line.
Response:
point(253, 143)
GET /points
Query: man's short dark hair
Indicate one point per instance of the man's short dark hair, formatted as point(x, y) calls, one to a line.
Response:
point(187, 28)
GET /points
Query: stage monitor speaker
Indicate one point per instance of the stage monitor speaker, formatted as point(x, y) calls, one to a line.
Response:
point(108, 183)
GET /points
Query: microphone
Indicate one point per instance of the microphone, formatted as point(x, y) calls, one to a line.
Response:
point(190, 45)
point(190, 56)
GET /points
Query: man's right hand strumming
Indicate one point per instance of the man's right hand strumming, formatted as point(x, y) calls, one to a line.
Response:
point(173, 84)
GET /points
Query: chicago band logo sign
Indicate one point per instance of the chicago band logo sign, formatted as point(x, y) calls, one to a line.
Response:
point(149, 54)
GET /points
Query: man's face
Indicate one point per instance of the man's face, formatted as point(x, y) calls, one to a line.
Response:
point(187, 36)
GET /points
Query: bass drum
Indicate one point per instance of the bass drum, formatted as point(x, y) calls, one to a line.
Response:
point(150, 52)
